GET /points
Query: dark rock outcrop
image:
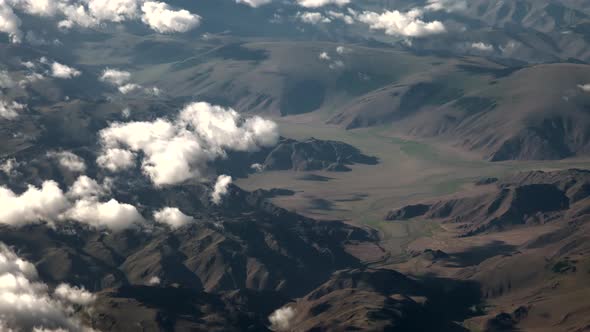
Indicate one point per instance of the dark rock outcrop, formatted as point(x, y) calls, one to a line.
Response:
point(408, 212)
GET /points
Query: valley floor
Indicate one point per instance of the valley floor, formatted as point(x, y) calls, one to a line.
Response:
point(411, 172)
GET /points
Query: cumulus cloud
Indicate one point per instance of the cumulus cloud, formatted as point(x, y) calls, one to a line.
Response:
point(406, 24)
point(85, 187)
point(5, 80)
point(26, 303)
point(59, 70)
point(254, 3)
point(113, 10)
point(584, 87)
point(68, 160)
point(446, 5)
point(481, 46)
point(160, 17)
point(9, 22)
point(9, 167)
point(154, 281)
point(112, 214)
point(336, 64)
point(172, 217)
point(313, 18)
point(128, 88)
point(74, 295)
point(342, 50)
point(348, 19)
point(10, 110)
point(257, 167)
point(92, 13)
point(321, 3)
point(116, 160)
point(49, 203)
point(30, 78)
point(35, 204)
point(281, 319)
point(115, 77)
point(325, 56)
point(220, 188)
point(179, 149)
point(39, 7)
point(120, 79)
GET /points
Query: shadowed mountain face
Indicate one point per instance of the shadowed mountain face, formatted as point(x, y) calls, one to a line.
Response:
point(291, 155)
point(248, 243)
point(527, 198)
point(382, 300)
point(526, 234)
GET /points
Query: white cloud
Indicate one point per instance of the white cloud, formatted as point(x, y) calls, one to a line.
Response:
point(172, 217)
point(86, 187)
point(160, 17)
point(154, 281)
point(220, 188)
point(30, 78)
point(5, 80)
point(74, 295)
point(116, 159)
point(112, 214)
point(120, 79)
point(342, 50)
point(341, 16)
point(35, 204)
point(257, 167)
point(321, 3)
point(281, 319)
point(154, 91)
point(68, 160)
point(10, 23)
point(59, 70)
point(92, 13)
point(325, 56)
point(584, 87)
point(446, 5)
point(336, 64)
point(10, 110)
point(39, 7)
point(128, 88)
point(313, 18)
point(26, 303)
point(254, 3)
point(76, 14)
point(175, 151)
point(408, 24)
point(50, 204)
point(115, 77)
point(481, 46)
point(126, 113)
point(113, 10)
point(9, 167)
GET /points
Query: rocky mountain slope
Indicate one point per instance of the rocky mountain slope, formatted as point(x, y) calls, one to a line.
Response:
point(528, 198)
